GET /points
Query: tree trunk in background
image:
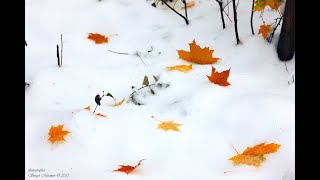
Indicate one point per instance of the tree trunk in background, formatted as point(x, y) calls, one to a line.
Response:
point(286, 43)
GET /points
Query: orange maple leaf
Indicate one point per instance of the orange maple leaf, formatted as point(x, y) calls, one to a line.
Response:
point(197, 54)
point(101, 115)
point(127, 168)
point(261, 149)
point(219, 78)
point(87, 108)
point(98, 38)
point(189, 5)
point(182, 68)
point(255, 156)
point(56, 133)
point(264, 30)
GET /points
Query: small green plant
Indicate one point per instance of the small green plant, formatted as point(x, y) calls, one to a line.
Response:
point(145, 84)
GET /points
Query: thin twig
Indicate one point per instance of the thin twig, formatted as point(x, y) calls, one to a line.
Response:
point(286, 66)
point(58, 57)
point(269, 39)
point(185, 18)
point(228, 16)
point(141, 88)
point(228, 2)
point(251, 19)
point(95, 108)
point(61, 50)
point(119, 52)
point(137, 54)
point(235, 149)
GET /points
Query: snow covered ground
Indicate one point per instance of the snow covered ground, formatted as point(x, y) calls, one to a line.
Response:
point(259, 105)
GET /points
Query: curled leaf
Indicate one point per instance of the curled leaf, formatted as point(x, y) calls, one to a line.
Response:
point(127, 168)
point(145, 81)
point(101, 115)
point(87, 108)
point(119, 103)
point(110, 95)
point(97, 99)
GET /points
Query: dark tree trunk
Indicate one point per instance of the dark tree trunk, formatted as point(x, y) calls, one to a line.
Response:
point(252, 17)
point(286, 44)
point(221, 12)
point(235, 20)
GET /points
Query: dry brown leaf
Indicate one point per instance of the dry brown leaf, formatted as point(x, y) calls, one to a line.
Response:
point(87, 108)
point(101, 115)
point(182, 68)
point(189, 5)
point(197, 54)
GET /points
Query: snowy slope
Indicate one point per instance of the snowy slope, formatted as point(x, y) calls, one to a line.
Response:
point(258, 106)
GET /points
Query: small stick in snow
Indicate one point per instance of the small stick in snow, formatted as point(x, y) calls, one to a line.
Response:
point(235, 149)
point(58, 57)
point(61, 50)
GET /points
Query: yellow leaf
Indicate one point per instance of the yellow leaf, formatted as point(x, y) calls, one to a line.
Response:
point(119, 103)
point(197, 54)
point(255, 156)
point(247, 159)
point(182, 68)
point(169, 125)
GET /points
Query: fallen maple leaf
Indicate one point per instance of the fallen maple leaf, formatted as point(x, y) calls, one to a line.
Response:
point(98, 38)
point(127, 168)
point(119, 103)
point(264, 30)
point(169, 125)
point(189, 5)
point(101, 115)
point(219, 78)
point(182, 68)
point(261, 149)
point(56, 133)
point(255, 156)
point(197, 54)
point(87, 108)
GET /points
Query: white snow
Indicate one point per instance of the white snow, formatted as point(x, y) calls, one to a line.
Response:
point(259, 105)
